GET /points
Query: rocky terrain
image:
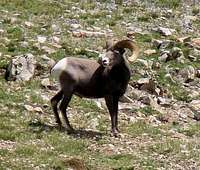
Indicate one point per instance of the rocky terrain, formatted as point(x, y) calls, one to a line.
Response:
point(159, 115)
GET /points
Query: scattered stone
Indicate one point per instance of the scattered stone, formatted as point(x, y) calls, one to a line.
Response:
point(184, 39)
point(165, 31)
point(156, 65)
point(56, 39)
point(133, 93)
point(163, 44)
point(153, 119)
point(84, 33)
point(49, 62)
point(176, 52)
point(197, 116)
point(41, 39)
point(164, 118)
point(1, 31)
point(195, 105)
point(187, 74)
point(38, 110)
point(33, 109)
point(149, 52)
point(198, 73)
point(7, 145)
point(125, 99)
point(146, 63)
point(165, 102)
point(29, 108)
point(192, 58)
point(29, 24)
point(191, 17)
point(75, 26)
point(125, 106)
point(56, 28)
point(145, 100)
point(21, 68)
point(164, 57)
point(157, 43)
point(196, 43)
point(143, 81)
point(147, 84)
point(45, 83)
point(48, 50)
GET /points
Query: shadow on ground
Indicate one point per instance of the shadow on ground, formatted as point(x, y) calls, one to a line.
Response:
point(36, 126)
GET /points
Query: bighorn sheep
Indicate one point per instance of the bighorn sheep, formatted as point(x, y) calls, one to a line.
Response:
point(108, 78)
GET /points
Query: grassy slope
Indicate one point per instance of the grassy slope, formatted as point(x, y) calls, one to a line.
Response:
point(37, 143)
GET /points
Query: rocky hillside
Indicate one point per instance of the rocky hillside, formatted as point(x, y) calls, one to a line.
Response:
point(159, 115)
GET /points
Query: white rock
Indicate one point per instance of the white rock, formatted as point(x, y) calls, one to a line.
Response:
point(150, 52)
point(75, 26)
point(56, 39)
point(48, 50)
point(165, 31)
point(45, 82)
point(29, 24)
point(1, 31)
point(38, 110)
point(41, 39)
point(28, 107)
point(143, 81)
point(21, 68)
point(195, 104)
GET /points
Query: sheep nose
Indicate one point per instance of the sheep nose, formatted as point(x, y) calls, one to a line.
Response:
point(105, 61)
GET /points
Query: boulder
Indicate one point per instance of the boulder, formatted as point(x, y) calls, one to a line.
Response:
point(165, 31)
point(21, 68)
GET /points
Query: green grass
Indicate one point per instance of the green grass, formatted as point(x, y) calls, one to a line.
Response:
point(37, 143)
point(142, 128)
point(169, 3)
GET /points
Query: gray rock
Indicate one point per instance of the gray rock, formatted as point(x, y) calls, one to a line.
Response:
point(157, 43)
point(45, 82)
point(47, 62)
point(162, 44)
point(197, 116)
point(147, 84)
point(165, 102)
point(145, 100)
point(164, 57)
point(165, 31)
point(21, 68)
point(187, 73)
point(176, 52)
point(195, 105)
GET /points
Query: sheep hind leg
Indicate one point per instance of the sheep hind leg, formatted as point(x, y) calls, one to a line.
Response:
point(54, 102)
point(63, 106)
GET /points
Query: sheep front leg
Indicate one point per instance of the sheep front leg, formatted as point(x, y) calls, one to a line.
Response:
point(54, 103)
point(112, 104)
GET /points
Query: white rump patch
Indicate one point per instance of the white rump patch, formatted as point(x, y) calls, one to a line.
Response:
point(59, 68)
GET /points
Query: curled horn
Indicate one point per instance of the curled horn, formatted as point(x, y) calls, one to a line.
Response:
point(130, 45)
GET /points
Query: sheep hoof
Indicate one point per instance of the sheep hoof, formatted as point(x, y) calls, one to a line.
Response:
point(58, 122)
point(115, 133)
point(70, 130)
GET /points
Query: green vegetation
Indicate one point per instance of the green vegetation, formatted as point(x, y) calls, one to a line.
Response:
point(169, 3)
point(30, 139)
